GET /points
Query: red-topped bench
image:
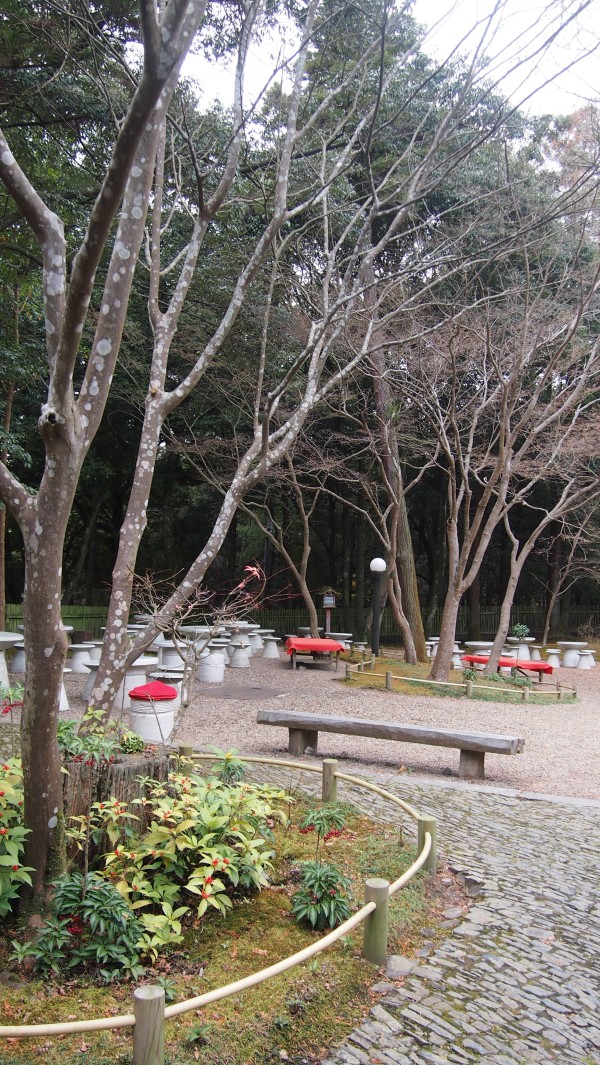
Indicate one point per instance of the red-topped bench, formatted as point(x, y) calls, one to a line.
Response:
point(306, 645)
point(521, 664)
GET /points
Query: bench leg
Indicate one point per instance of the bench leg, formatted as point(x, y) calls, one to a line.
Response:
point(300, 739)
point(471, 765)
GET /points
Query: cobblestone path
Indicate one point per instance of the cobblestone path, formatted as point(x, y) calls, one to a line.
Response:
point(517, 982)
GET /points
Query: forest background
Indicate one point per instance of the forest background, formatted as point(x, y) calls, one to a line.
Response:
point(354, 316)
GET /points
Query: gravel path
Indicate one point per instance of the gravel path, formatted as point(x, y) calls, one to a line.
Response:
point(562, 741)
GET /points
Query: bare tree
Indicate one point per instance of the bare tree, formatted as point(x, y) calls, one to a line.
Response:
point(575, 554)
point(503, 388)
point(89, 294)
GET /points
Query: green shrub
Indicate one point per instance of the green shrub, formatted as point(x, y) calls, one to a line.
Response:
point(90, 923)
point(12, 834)
point(324, 897)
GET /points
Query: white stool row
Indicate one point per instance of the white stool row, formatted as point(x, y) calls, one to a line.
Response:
point(584, 660)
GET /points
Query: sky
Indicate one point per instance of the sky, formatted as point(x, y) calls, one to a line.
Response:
point(578, 48)
point(449, 23)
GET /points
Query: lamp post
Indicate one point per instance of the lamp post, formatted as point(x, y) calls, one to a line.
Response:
point(378, 567)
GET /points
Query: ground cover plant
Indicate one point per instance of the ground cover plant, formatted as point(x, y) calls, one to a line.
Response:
point(296, 1014)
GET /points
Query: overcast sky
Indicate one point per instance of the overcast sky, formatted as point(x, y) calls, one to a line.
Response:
point(451, 22)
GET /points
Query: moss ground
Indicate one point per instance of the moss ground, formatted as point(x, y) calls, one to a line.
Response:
point(487, 689)
point(293, 1018)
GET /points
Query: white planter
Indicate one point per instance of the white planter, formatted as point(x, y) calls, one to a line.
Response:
point(154, 722)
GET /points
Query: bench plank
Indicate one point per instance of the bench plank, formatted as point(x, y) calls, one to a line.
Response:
point(304, 731)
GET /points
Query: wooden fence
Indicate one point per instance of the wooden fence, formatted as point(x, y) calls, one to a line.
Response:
point(288, 621)
point(90, 619)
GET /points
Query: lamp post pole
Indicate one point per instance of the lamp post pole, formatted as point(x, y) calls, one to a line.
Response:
point(378, 568)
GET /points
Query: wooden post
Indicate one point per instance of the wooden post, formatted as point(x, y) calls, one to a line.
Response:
point(348, 671)
point(469, 689)
point(149, 1028)
point(428, 824)
point(186, 751)
point(329, 791)
point(373, 661)
point(361, 666)
point(376, 925)
point(525, 695)
point(388, 681)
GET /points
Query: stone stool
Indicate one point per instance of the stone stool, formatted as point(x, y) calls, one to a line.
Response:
point(271, 650)
point(174, 677)
point(457, 662)
point(95, 650)
point(80, 652)
point(586, 660)
point(169, 657)
point(256, 642)
point(239, 657)
point(243, 640)
point(90, 682)
point(359, 645)
point(18, 661)
point(135, 675)
point(63, 704)
point(553, 657)
point(534, 650)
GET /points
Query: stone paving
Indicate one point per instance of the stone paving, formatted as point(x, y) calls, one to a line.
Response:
point(517, 981)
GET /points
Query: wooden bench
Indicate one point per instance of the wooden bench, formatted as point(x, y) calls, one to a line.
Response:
point(473, 746)
point(317, 648)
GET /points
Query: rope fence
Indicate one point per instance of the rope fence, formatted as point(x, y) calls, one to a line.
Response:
point(149, 1010)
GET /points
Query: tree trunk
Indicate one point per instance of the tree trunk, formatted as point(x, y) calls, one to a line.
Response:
point(407, 576)
point(440, 668)
point(359, 592)
point(42, 779)
point(474, 605)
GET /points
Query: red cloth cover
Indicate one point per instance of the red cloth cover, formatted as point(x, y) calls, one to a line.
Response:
point(156, 692)
point(307, 643)
point(512, 663)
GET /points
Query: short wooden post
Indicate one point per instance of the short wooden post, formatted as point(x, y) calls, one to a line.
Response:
point(525, 695)
point(348, 671)
point(149, 1028)
point(388, 681)
point(428, 824)
point(361, 666)
point(329, 790)
point(185, 751)
point(469, 688)
point(373, 661)
point(375, 942)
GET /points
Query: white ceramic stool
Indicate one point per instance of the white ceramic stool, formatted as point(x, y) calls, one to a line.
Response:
point(89, 684)
point(63, 704)
point(173, 677)
point(457, 657)
point(135, 675)
point(534, 650)
point(586, 660)
point(256, 642)
point(243, 640)
point(80, 652)
point(18, 661)
point(271, 650)
point(553, 657)
point(239, 657)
